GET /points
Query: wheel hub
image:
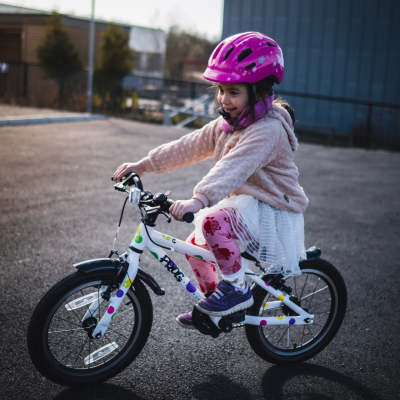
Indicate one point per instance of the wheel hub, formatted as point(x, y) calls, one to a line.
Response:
point(89, 325)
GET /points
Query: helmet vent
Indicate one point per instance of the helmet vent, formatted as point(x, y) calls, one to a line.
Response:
point(250, 66)
point(244, 54)
point(229, 53)
point(270, 44)
point(217, 50)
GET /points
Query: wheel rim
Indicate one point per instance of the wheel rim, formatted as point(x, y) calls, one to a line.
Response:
point(318, 295)
point(67, 343)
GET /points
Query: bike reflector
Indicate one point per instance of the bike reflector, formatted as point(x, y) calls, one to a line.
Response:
point(82, 301)
point(100, 353)
point(135, 195)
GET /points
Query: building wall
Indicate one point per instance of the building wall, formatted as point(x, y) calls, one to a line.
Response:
point(341, 48)
point(21, 34)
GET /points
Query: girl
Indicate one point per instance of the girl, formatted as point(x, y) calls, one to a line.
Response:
point(251, 195)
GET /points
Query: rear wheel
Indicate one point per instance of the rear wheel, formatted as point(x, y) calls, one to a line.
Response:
point(321, 291)
point(59, 337)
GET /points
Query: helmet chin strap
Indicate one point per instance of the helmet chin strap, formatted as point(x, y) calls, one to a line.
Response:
point(255, 90)
point(231, 120)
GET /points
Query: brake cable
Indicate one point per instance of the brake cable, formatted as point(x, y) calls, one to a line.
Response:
point(113, 251)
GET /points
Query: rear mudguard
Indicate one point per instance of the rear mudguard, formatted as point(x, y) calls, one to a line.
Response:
point(113, 264)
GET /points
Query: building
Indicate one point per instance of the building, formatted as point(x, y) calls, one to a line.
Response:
point(347, 49)
point(22, 29)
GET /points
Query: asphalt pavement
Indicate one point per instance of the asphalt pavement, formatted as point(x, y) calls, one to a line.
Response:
point(58, 207)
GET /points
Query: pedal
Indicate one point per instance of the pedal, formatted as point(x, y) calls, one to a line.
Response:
point(236, 317)
point(226, 323)
point(204, 324)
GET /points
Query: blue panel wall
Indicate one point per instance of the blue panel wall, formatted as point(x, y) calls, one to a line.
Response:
point(340, 48)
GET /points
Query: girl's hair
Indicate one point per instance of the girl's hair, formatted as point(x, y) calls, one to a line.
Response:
point(263, 89)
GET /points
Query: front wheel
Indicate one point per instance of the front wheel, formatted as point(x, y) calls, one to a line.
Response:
point(59, 335)
point(321, 291)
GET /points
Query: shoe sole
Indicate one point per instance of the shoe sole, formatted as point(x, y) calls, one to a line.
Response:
point(191, 327)
point(239, 307)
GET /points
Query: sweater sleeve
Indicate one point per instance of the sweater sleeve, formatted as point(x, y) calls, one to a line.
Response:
point(189, 149)
point(256, 148)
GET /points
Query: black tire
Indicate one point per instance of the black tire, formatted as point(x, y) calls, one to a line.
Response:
point(60, 360)
point(329, 311)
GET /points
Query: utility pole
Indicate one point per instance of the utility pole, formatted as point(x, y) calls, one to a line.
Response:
point(91, 54)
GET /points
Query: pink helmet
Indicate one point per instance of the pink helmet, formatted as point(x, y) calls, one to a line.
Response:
point(245, 57)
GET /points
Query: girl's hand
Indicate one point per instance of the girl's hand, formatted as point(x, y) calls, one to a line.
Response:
point(125, 169)
point(182, 207)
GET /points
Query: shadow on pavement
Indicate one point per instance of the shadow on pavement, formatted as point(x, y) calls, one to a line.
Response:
point(275, 378)
point(221, 387)
point(103, 391)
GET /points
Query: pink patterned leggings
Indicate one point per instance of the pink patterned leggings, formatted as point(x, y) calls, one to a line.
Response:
point(221, 240)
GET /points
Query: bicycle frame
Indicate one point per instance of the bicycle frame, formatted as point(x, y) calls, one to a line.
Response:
point(144, 238)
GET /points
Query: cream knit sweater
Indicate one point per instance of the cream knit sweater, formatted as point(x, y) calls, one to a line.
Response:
point(257, 160)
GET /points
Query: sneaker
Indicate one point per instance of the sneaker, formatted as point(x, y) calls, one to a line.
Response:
point(226, 300)
point(185, 320)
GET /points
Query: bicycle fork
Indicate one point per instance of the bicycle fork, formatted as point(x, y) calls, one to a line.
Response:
point(116, 299)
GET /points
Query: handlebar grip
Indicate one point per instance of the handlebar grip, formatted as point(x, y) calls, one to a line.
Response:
point(188, 217)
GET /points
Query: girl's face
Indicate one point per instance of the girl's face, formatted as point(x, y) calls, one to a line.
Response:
point(233, 97)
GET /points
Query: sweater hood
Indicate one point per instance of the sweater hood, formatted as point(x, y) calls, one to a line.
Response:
point(280, 113)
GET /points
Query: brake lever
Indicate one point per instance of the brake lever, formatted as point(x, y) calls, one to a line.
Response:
point(168, 216)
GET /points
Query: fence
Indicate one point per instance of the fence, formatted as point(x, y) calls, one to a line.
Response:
point(365, 123)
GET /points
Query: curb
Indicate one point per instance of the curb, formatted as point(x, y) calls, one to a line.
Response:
point(49, 119)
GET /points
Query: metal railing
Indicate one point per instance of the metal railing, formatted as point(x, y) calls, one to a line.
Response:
point(170, 112)
point(362, 123)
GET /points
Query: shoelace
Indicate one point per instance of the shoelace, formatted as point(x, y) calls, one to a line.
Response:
point(218, 294)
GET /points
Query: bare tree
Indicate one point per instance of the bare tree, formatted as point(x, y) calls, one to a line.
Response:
point(57, 53)
point(184, 46)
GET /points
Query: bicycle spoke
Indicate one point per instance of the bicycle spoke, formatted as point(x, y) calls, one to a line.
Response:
point(76, 359)
point(68, 330)
point(304, 285)
point(322, 302)
point(309, 305)
point(302, 336)
point(70, 353)
point(88, 308)
point(73, 311)
point(62, 340)
point(97, 348)
point(62, 319)
point(114, 331)
point(312, 335)
point(271, 332)
point(123, 312)
point(110, 342)
point(320, 290)
point(281, 336)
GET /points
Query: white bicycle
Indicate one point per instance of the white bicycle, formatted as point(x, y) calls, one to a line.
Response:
point(94, 323)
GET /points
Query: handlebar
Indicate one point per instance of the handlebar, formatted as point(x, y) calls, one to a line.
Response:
point(133, 179)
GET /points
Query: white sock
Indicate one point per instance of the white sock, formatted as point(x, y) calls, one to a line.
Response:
point(237, 280)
